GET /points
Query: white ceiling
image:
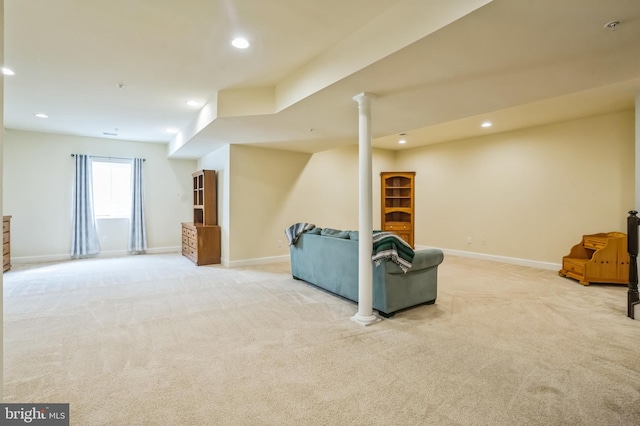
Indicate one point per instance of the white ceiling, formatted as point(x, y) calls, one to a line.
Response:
point(438, 68)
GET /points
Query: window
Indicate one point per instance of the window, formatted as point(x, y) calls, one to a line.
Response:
point(111, 188)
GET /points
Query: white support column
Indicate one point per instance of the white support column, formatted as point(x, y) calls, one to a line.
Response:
point(365, 316)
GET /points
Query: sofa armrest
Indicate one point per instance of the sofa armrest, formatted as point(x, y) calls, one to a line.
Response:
point(423, 259)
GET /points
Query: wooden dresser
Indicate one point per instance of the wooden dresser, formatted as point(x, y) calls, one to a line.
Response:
point(201, 243)
point(6, 243)
point(201, 238)
point(598, 258)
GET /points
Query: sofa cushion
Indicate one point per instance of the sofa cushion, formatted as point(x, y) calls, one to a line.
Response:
point(355, 236)
point(335, 233)
point(314, 231)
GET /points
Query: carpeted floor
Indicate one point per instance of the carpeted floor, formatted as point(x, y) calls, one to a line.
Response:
point(155, 340)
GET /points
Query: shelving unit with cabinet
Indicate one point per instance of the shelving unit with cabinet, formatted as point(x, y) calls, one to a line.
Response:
point(398, 204)
point(201, 238)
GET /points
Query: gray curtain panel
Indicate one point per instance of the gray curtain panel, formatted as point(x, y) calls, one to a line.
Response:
point(137, 231)
point(85, 242)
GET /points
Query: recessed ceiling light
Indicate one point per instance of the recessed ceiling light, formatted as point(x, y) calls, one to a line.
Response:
point(402, 141)
point(41, 115)
point(7, 71)
point(171, 130)
point(192, 103)
point(487, 124)
point(240, 43)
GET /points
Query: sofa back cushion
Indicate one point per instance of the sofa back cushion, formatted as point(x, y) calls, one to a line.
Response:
point(329, 232)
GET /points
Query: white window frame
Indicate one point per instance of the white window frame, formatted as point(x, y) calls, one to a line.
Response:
point(117, 203)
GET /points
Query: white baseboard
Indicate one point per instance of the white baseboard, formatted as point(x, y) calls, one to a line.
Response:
point(156, 250)
point(482, 256)
point(162, 250)
point(40, 259)
point(502, 259)
point(102, 254)
point(286, 258)
point(257, 261)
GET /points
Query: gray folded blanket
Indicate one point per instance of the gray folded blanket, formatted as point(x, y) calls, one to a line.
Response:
point(294, 231)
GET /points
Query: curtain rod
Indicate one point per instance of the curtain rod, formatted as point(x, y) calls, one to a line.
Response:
point(111, 158)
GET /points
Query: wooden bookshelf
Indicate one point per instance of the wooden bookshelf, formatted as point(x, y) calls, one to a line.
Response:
point(398, 204)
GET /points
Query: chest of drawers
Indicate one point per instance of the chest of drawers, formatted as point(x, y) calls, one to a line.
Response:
point(201, 243)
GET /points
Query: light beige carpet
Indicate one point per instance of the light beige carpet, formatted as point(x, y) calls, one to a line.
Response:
point(155, 340)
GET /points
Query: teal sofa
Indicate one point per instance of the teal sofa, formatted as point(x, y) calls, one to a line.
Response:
point(331, 263)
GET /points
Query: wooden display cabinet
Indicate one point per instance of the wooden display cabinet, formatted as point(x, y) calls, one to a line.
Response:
point(205, 206)
point(598, 258)
point(398, 204)
point(201, 238)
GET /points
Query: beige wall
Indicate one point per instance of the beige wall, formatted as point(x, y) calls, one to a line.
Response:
point(328, 188)
point(527, 194)
point(274, 189)
point(261, 182)
point(219, 161)
point(637, 153)
point(38, 185)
